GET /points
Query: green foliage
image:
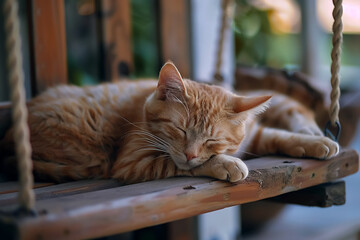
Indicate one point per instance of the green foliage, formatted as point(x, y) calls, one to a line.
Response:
point(256, 44)
point(145, 38)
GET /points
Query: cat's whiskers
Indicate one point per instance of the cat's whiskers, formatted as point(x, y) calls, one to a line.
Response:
point(143, 131)
point(134, 124)
point(158, 141)
point(154, 144)
point(249, 153)
point(152, 136)
point(177, 112)
point(139, 123)
point(186, 107)
point(165, 156)
point(152, 149)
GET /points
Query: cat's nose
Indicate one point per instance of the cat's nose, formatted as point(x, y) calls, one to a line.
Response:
point(190, 156)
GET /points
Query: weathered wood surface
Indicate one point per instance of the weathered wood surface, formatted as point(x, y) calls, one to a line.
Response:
point(49, 190)
point(130, 207)
point(116, 39)
point(49, 44)
point(12, 187)
point(323, 195)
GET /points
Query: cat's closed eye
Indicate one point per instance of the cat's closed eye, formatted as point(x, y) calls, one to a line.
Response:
point(181, 130)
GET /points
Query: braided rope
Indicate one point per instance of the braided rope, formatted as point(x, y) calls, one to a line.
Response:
point(19, 112)
point(227, 15)
point(336, 59)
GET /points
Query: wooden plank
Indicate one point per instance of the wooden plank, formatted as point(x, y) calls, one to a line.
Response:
point(175, 34)
point(116, 39)
point(323, 195)
point(123, 209)
point(49, 43)
point(49, 190)
point(12, 187)
point(128, 190)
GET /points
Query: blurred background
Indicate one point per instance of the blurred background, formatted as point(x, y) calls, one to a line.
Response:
point(287, 34)
point(283, 34)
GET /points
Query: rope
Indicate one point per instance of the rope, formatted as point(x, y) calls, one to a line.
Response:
point(336, 59)
point(19, 112)
point(335, 69)
point(227, 15)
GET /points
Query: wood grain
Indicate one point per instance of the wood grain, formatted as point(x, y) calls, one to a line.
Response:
point(49, 43)
point(175, 34)
point(12, 187)
point(121, 209)
point(51, 190)
point(116, 39)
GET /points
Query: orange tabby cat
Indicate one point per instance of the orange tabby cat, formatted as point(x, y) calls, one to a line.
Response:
point(143, 130)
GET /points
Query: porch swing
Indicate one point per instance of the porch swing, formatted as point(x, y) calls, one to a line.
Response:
point(95, 208)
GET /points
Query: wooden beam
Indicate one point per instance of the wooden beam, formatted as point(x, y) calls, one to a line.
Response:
point(175, 34)
point(11, 187)
point(184, 229)
point(49, 44)
point(116, 39)
point(323, 195)
point(122, 209)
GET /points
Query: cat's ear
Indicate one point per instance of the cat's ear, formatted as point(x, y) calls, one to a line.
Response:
point(171, 84)
point(255, 104)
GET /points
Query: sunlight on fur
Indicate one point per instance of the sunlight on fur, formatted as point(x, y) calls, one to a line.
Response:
point(151, 129)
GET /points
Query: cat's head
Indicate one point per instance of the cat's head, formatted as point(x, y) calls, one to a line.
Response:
point(194, 121)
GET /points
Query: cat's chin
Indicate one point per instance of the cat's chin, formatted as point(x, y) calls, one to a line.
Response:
point(183, 166)
point(187, 165)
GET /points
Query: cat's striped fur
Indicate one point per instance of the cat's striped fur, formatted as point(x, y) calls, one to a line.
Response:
point(143, 130)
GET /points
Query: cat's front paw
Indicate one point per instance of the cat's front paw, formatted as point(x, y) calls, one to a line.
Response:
point(316, 147)
point(228, 168)
point(313, 130)
point(325, 148)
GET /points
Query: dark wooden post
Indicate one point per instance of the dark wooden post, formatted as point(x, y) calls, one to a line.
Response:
point(175, 34)
point(115, 22)
point(48, 44)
